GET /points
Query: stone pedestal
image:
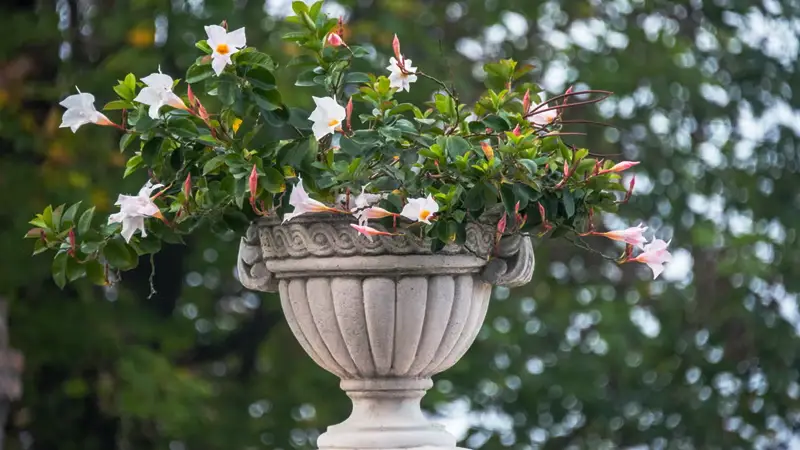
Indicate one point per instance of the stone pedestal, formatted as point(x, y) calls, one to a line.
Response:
point(384, 315)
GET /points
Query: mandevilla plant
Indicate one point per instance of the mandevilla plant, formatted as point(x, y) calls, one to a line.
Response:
point(230, 151)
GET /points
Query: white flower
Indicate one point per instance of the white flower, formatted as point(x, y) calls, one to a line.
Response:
point(158, 93)
point(420, 209)
point(80, 111)
point(223, 45)
point(633, 235)
point(327, 116)
point(399, 78)
point(133, 209)
point(543, 118)
point(655, 255)
point(369, 231)
point(373, 212)
point(303, 203)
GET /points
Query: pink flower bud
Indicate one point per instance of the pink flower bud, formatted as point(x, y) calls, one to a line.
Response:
point(191, 96)
point(253, 183)
point(526, 102)
point(619, 167)
point(187, 187)
point(334, 40)
point(349, 110)
point(396, 48)
point(517, 131)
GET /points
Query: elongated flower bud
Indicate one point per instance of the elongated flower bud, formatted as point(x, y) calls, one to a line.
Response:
point(187, 187)
point(396, 48)
point(526, 102)
point(517, 131)
point(253, 182)
point(349, 110)
point(487, 150)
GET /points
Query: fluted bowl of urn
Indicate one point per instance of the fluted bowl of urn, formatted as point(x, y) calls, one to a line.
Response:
point(383, 314)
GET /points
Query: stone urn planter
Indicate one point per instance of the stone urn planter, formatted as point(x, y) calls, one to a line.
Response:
point(384, 316)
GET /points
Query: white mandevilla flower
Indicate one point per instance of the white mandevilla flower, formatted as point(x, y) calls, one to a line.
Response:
point(420, 209)
point(80, 111)
point(327, 116)
point(655, 255)
point(373, 212)
point(399, 79)
point(133, 209)
point(543, 118)
point(158, 93)
point(304, 204)
point(369, 231)
point(223, 45)
point(633, 235)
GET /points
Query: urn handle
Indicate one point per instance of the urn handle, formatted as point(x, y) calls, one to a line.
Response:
point(513, 265)
point(253, 273)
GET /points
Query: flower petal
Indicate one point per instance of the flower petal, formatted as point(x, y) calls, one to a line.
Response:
point(216, 34)
point(237, 38)
point(78, 100)
point(148, 96)
point(218, 63)
point(158, 81)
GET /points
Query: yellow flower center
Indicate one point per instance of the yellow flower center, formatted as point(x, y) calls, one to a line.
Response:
point(333, 123)
point(223, 49)
point(424, 214)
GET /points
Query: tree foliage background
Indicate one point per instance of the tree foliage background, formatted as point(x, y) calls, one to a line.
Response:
point(589, 355)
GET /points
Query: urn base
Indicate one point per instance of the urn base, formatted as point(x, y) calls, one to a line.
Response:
point(386, 416)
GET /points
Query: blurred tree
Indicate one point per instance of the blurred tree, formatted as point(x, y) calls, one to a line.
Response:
point(590, 355)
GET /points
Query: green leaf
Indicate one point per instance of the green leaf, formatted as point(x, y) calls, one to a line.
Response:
point(56, 218)
point(272, 180)
point(118, 104)
point(351, 147)
point(456, 146)
point(204, 47)
point(356, 78)
point(227, 89)
point(299, 8)
point(130, 82)
point(96, 272)
point(59, 269)
point(267, 100)
point(69, 215)
point(75, 269)
point(530, 165)
point(198, 72)
point(120, 255)
point(85, 222)
point(261, 78)
point(213, 164)
point(124, 92)
point(150, 150)
point(47, 217)
point(125, 140)
point(307, 78)
point(569, 203)
point(508, 197)
point(133, 163)
point(445, 105)
point(251, 57)
point(497, 123)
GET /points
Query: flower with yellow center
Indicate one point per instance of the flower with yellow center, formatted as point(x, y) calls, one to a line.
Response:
point(223, 45)
point(420, 209)
point(327, 116)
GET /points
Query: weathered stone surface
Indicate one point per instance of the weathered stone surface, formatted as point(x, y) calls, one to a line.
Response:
point(384, 316)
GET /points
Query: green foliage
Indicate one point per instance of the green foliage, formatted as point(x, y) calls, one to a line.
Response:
point(217, 149)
